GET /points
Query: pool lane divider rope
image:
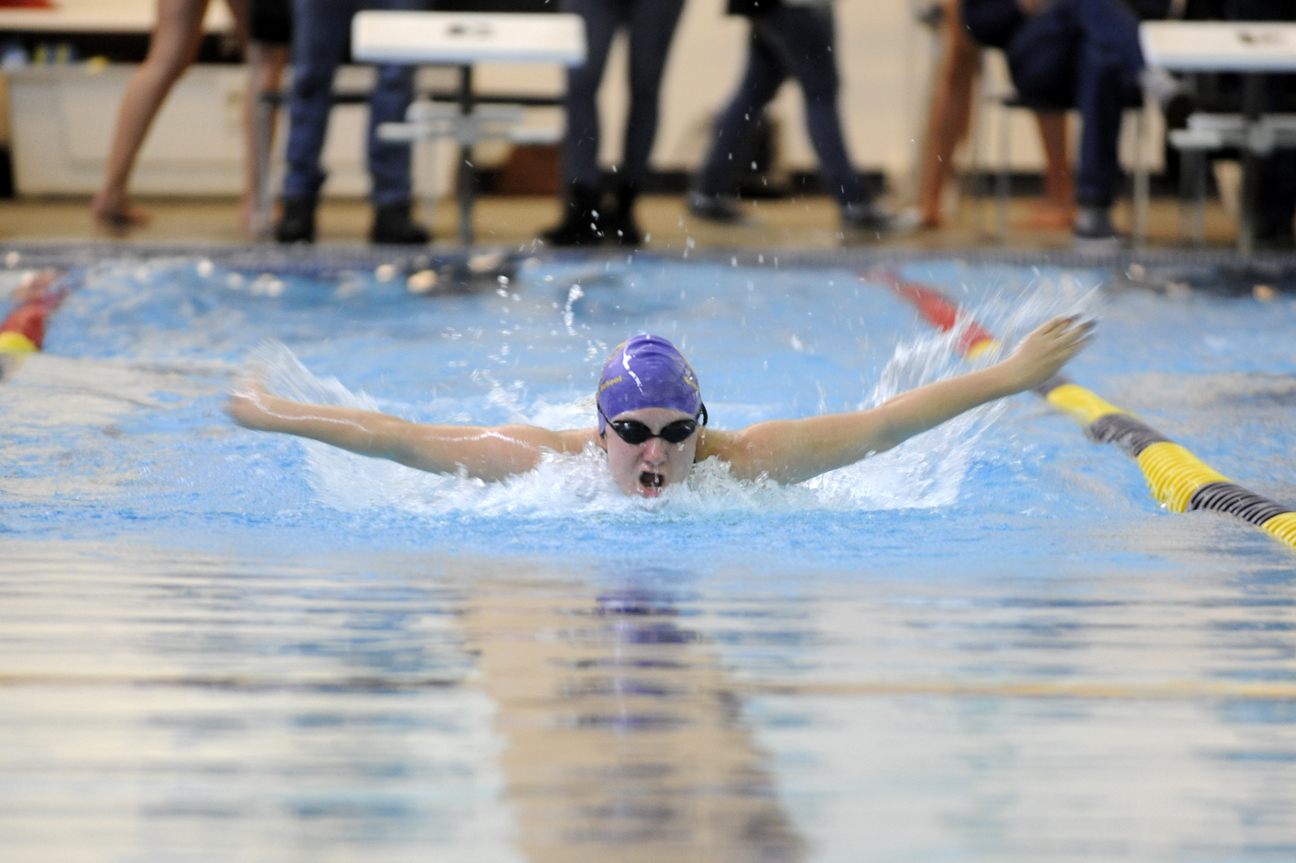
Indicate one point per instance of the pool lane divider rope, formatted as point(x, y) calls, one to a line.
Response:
point(1179, 480)
point(23, 330)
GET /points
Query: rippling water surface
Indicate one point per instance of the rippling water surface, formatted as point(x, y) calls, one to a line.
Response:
point(988, 644)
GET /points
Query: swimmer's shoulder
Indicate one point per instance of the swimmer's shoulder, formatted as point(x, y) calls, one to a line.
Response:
point(561, 441)
point(718, 443)
point(573, 441)
point(749, 452)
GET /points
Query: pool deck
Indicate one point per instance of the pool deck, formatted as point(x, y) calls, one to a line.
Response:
point(808, 224)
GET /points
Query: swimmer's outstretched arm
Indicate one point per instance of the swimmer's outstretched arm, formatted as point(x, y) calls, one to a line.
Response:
point(795, 450)
point(488, 453)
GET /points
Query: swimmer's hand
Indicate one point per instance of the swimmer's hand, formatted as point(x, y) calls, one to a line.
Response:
point(1042, 354)
point(795, 450)
point(248, 404)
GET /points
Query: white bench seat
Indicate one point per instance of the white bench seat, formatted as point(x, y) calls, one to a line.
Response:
point(463, 40)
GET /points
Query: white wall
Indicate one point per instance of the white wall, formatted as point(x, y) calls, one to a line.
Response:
point(62, 119)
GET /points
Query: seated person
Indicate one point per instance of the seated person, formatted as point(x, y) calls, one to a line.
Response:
point(1080, 53)
point(949, 114)
point(649, 398)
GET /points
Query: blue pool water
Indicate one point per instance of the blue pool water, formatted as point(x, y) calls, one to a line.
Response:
point(987, 644)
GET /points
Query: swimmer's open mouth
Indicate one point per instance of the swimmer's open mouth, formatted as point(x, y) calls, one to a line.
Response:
point(649, 479)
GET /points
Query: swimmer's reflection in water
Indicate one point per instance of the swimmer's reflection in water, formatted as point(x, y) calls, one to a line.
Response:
point(639, 624)
point(644, 741)
point(652, 423)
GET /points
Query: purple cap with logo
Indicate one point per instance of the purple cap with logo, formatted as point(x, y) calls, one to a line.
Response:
point(647, 371)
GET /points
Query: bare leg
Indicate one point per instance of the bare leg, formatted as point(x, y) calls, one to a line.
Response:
point(1057, 208)
point(241, 12)
point(265, 73)
point(949, 113)
point(177, 35)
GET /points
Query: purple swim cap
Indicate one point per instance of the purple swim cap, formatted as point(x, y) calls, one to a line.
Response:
point(647, 372)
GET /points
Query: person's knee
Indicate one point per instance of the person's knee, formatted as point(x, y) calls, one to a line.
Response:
point(645, 90)
point(170, 60)
point(583, 83)
point(395, 79)
point(748, 114)
point(310, 87)
point(821, 88)
point(1045, 78)
point(1108, 70)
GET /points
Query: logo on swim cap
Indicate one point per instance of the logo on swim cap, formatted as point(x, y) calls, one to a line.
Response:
point(647, 371)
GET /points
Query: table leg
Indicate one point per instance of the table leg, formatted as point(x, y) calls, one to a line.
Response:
point(1142, 182)
point(1252, 97)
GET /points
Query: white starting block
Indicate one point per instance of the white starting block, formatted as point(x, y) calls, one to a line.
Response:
point(464, 39)
point(1247, 48)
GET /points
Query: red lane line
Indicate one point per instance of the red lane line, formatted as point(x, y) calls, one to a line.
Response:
point(38, 297)
point(935, 307)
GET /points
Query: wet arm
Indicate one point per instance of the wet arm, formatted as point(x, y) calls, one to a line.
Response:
point(482, 452)
point(795, 450)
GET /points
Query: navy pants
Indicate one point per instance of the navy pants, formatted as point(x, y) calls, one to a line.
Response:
point(651, 26)
point(321, 37)
point(796, 41)
point(1076, 53)
point(1083, 53)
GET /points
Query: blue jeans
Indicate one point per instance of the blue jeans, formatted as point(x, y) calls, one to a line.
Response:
point(320, 40)
point(789, 40)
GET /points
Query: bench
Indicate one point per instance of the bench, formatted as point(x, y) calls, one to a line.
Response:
point(1249, 49)
point(1214, 132)
point(351, 92)
point(463, 40)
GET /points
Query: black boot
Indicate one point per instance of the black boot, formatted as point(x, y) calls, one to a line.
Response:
point(297, 224)
point(621, 227)
point(582, 223)
point(392, 226)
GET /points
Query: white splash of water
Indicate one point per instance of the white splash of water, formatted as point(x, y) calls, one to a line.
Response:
point(574, 293)
point(926, 471)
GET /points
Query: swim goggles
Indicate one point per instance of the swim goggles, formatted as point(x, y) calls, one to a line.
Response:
point(634, 432)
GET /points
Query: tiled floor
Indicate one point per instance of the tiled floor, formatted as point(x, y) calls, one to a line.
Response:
point(806, 223)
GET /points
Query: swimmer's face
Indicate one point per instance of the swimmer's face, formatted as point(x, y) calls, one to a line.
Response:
point(644, 469)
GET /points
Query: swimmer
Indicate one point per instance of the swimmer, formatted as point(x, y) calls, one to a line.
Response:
point(652, 423)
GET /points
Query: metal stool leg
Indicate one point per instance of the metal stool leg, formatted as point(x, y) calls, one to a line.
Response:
point(1196, 179)
point(1142, 181)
